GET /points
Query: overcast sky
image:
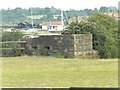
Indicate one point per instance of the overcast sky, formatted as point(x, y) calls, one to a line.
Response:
point(62, 4)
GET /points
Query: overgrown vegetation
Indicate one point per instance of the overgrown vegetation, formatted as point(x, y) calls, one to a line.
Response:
point(12, 36)
point(104, 30)
point(10, 43)
point(59, 54)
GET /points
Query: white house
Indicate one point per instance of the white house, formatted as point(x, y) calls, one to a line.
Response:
point(52, 26)
point(55, 16)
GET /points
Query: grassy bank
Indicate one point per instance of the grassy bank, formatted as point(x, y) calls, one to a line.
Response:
point(54, 72)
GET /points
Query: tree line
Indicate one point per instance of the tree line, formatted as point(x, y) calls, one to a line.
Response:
point(17, 15)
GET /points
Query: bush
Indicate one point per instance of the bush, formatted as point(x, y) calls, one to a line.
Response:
point(11, 48)
point(105, 33)
point(12, 53)
point(59, 54)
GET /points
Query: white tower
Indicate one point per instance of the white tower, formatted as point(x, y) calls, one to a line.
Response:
point(31, 18)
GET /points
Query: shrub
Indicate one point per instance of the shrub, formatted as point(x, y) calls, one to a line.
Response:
point(59, 54)
point(11, 48)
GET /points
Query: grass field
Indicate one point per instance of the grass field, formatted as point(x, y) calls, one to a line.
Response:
point(55, 72)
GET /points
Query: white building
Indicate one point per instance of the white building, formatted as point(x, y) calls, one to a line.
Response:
point(55, 16)
point(52, 26)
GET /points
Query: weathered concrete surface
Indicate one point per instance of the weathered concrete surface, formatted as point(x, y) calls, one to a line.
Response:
point(68, 45)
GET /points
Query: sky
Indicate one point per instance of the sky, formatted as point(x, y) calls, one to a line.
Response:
point(61, 4)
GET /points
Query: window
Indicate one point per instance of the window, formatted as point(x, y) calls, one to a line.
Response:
point(35, 47)
point(47, 47)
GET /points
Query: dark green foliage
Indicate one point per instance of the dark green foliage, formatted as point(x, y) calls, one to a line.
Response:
point(108, 9)
point(78, 28)
point(103, 9)
point(105, 33)
point(11, 48)
point(12, 52)
point(108, 42)
point(11, 36)
point(59, 54)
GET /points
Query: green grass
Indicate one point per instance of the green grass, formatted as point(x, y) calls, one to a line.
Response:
point(55, 72)
point(0, 73)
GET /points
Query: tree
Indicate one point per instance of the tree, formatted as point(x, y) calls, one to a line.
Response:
point(113, 9)
point(95, 10)
point(78, 28)
point(106, 26)
point(104, 30)
point(103, 9)
point(88, 12)
point(18, 15)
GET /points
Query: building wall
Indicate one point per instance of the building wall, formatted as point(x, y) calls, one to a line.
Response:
point(50, 45)
point(83, 44)
point(59, 27)
point(44, 27)
point(68, 45)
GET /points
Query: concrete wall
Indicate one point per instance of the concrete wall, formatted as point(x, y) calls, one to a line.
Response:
point(50, 45)
point(82, 43)
point(68, 45)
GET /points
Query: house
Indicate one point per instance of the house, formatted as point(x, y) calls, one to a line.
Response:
point(56, 16)
point(25, 25)
point(28, 26)
point(67, 45)
point(52, 26)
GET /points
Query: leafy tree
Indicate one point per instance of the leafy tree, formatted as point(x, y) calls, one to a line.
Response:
point(88, 12)
point(95, 10)
point(104, 30)
point(107, 27)
point(78, 28)
point(103, 9)
point(113, 9)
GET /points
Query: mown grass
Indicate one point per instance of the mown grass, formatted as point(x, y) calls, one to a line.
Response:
point(0, 73)
point(55, 72)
